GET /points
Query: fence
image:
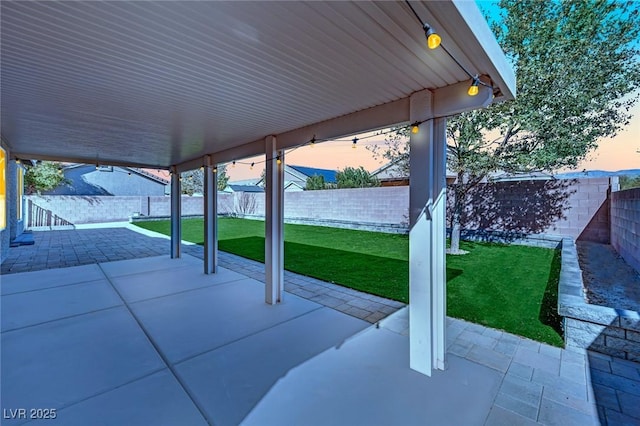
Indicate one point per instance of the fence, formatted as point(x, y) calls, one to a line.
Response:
point(625, 225)
point(571, 208)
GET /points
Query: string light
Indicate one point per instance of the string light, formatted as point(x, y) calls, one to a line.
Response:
point(415, 128)
point(215, 169)
point(433, 38)
point(251, 167)
point(473, 89)
point(233, 164)
point(315, 140)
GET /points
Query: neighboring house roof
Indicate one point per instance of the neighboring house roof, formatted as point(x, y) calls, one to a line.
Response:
point(392, 171)
point(245, 188)
point(300, 174)
point(252, 182)
point(328, 175)
point(389, 170)
point(293, 186)
point(84, 179)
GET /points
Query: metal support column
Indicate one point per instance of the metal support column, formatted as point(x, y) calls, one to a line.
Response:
point(427, 312)
point(176, 208)
point(274, 222)
point(210, 216)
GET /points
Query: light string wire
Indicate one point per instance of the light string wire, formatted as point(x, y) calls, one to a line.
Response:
point(314, 140)
point(474, 77)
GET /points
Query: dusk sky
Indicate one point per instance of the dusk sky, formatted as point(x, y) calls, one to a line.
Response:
point(618, 153)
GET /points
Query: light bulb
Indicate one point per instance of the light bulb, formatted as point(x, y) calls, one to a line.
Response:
point(473, 89)
point(355, 141)
point(433, 39)
point(251, 167)
point(233, 164)
point(278, 160)
point(415, 129)
point(215, 170)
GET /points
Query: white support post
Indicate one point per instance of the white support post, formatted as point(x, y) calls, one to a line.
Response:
point(427, 311)
point(176, 208)
point(420, 170)
point(438, 233)
point(210, 217)
point(274, 222)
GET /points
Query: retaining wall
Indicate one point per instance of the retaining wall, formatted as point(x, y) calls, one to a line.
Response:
point(625, 225)
point(614, 332)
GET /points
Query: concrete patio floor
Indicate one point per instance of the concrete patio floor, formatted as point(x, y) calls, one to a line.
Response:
point(155, 341)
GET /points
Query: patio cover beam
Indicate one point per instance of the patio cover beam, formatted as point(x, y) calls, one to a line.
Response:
point(274, 222)
point(448, 100)
point(210, 216)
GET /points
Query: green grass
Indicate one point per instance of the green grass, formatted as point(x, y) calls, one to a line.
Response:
point(512, 288)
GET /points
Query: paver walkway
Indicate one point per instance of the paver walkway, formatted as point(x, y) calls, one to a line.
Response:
point(537, 383)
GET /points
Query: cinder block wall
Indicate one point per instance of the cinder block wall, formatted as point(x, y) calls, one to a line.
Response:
point(625, 225)
point(574, 208)
point(386, 205)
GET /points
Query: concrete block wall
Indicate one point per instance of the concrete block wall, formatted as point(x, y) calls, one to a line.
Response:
point(576, 208)
point(384, 205)
point(573, 208)
point(625, 225)
point(88, 209)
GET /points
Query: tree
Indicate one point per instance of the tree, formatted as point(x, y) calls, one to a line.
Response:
point(576, 65)
point(315, 182)
point(192, 181)
point(628, 182)
point(351, 177)
point(223, 179)
point(44, 176)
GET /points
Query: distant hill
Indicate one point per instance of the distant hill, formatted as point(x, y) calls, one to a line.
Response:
point(597, 174)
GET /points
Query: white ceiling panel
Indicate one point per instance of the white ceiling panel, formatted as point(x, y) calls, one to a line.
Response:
point(161, 83)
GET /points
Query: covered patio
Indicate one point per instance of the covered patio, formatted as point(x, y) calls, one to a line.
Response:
point(183, 85)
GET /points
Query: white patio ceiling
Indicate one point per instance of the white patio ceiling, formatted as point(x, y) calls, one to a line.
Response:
point(164, 83)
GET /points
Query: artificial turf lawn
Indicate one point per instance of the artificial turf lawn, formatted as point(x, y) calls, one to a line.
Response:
point(512, 288)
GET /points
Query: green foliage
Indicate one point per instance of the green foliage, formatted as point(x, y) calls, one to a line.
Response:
point(192, 182)
point(576, 65)
point(351, 177)
point(315, 182)
point(44, 176)
point(223, 179)
point(628, 182)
